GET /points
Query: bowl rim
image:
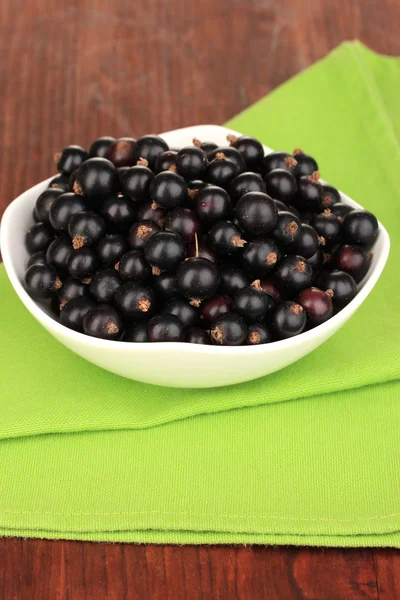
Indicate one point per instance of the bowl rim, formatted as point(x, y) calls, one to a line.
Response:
point(328, 327)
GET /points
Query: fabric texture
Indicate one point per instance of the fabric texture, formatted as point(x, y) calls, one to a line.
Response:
point(308, 455)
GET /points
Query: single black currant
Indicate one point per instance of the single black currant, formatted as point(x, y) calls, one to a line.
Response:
point(140, 232)
point(121, 152)
point(294, 273)
point(256, 213)
point(231, 153)
point(86, 229)
point(63, 208)
point(103, 321)
point(42, 281)
point(164, 286)
point(287, 320)
point(197, 279)
point(343, 286)
point(270, 287)
point(281, 185)
point(134, 300)
point(201, 251)
point(245, 183)
point(317, 260)
point(95, 179)
point(73, 312)
point(58, 253)
point(360, 227)
point(196, 335)
point(354, 260)
point(250, 148)
point(59, 182)
point(39, 237)
point(69, 159)
point(330, 196)
point(306, 165)
point(181, 308)
point(133, 267)
point(232, 279)
point(252, 303)
point(148, 212)
point(228, 329)
point(214, 307)
point(137, 333)
point(307, 242)
point(317, 304)
point(38, 258)
point(213, 204)
point(341, 210)
point(328, 227)
point(221, 170)
point(259, 257)
point(104, 285)
point(120, 211)
point(44, 201)
point(100, 147)
point(168, 190)
point(309, 193)
point(71, 288)
point(279, 160)
point(225, 238)
point(165, 328)
point(82, 263)
point(184, 222)
point(135, 182)
point(258, 334)
point(287, 229)
point(150, 147)
point(165, 161)
point(191, 162)
point(164, 251)
point(111, 248)
point(207, 147)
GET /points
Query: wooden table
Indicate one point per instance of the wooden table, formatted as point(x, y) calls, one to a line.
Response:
point(70, 71)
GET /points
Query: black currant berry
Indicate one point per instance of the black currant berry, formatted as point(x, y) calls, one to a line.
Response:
point(317, 304)
point(228, 329)
point(307, 242)
point(148, 212)
point(134, 300)
point(281, 185)
point(287, 229)
point(41, 281)
point(232, 279)
point(258, 334)
point(104, 285)
point(309, 193)
point(100, 147)
point(330, 197)
point(137, 333)
point(197, 279)
point(256, 213)
point(225, 238)
point(214, 307)
point(260, 256)
point(71, 288)
point(221, 170)
point(287, 320)
point(207, 147)
point(95, 179)
point(184, 222)
point(140, 232)
point(196, 335)
point(135, 182)
point(279, 160)
point(63, 208)
point(103, 321)
point(317, 260)
point(73, 312)
point(245, 183)
point(111, 248)
point(294, 273)
point(181, 308)
point(306, 165)
point(328, 227)
point(133, 267)
point(168, 190)
point(252, 303)
point(38, 258)
point(164, 251)
point(354, 260)
point(165, 161)
point(231, 153)
point(191, 162)
point(250, 148)
point(360, 227)
point(201, 251)
point(341, 210)
point(39, 237)
point(69, 159)
point(119, 210)
point(164, 286)
point(59, 182)
point(343, 287)
point(82, 263)
point(121, 152)
point(165, 328)
point(270, 287)
point(213, 204)
point(150, 147)
point(43, 203)
point(58, 253)
point(86, 229)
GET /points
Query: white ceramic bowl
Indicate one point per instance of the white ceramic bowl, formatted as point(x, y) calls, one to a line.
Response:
point(175, 364)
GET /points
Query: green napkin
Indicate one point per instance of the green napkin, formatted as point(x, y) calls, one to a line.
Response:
point(308, 455)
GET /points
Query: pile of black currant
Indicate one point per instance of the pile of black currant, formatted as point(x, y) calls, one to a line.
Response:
point(138, 242)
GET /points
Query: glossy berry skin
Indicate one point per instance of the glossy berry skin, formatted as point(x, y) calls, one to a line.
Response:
point(197, 279)
point(148, 212)
point(287, 320)
point(194, 187)
point(287, 229)
point(228, 329)
point(250, 148)
point(309, 194)
point(316, 261)
point(110, 249)
point(133, 267)
point(122, 152)
point(191, 162)
point(58, 253)
point(140, 232)
point(43, 203)
point(260, 256)
point(150, 147)
point(39, 237)
point(135, 183)
point(82, 263)
point(252, 303)
point(103, 321)
point(104, 285)
point(70, 159)
point(258, 334)
point(86, 229)
point(256, 213)
point(165, 161)
point(137, 333)
point(71, 288)
point(360, 227)
point(165, 328)
point(164, 251)
point(73, 312)
point(294, 273)
point(134, 300)
point(38, 258)
point(168, 190)
point(328, 227)
point(225, 238)
point(120, 211)
point(181, 308)
point(207, 147)
point(353, 260)
point(231, 153)
point(245, 183)
point(317, 305)
point(63, 208)
point(41, 281)
point(202, 251)
point(214, 307)
point(100, 147)
point(95, 179)
point(279, 160)
point(307, 242)
point(59, 182)
point(330, 196)
point(281, 185)
point(341, 210)
point(212, 204)
point(270, 287)
point(164, 286)
point(232, 279)
point(184, 222)
point(306, 164)
point(343, 287)
point(196, 335)
point(221, 171)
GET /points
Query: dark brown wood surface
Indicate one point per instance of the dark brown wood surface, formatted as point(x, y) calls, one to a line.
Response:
point(71, 71)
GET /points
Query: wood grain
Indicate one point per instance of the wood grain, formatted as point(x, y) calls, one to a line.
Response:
point(75, 70)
